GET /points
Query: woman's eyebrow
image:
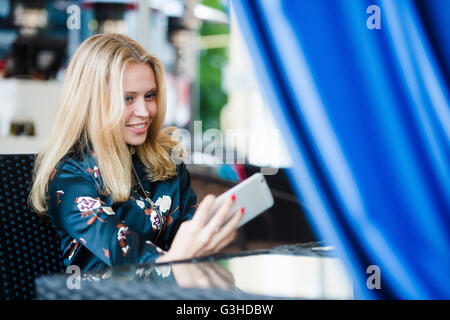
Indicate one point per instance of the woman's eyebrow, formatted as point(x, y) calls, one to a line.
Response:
point(149, 90)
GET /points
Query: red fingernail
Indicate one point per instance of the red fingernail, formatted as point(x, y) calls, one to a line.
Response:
point(233, 197)
point(242, 210)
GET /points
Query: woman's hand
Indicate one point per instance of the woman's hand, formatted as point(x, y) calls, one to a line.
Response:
point(198, 237)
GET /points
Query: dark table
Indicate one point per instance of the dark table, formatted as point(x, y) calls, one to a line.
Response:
point(302, 271)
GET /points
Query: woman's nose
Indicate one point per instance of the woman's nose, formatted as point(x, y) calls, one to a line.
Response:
point(141, 109)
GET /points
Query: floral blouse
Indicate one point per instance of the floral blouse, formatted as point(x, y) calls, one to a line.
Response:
point(96, 233)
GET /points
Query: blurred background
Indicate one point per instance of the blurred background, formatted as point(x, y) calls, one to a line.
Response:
point(212, 92)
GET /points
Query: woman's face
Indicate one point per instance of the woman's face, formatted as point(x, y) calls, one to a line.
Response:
point(140, 92)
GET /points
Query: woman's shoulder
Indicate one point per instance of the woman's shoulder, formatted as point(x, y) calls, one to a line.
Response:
point(72, 169)
point(183, 174)
point(181, 166)
point(181, 169)
point(78, 163)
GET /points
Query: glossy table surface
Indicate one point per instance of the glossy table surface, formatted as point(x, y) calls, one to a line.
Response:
point(303, 271)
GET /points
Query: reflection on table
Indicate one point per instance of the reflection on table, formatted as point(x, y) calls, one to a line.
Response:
point(291, 276)
point(299, 272)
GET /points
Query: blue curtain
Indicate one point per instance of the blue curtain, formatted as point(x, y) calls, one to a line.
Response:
point(365, 113)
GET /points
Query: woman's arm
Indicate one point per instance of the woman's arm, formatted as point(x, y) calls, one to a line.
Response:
point(188, 198)
point(197, 237)
point(75, 206)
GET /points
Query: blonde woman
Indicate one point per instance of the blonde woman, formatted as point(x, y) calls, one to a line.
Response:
point(106, 178)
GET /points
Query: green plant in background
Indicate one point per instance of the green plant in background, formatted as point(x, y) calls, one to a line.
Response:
point(212, 61)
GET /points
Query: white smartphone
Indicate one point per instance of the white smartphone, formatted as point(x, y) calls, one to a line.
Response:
point(253, 194)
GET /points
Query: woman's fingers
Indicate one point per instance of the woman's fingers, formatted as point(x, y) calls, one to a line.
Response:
point(225, 242)
point(208, 231)
point(202, 213)
point(231, 224)
point(198, 237)
point(226, 233)
point(221, 215)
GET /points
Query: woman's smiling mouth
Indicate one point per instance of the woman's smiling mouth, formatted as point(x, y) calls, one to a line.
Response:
point(138, 127)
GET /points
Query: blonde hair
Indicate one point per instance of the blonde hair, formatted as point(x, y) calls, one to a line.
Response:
point(90, 115)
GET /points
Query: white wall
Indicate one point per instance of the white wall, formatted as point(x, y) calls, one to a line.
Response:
point(27, 100)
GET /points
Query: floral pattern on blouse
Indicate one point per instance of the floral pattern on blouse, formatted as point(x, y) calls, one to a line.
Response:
point(122, 238)
point(59, 194)
point(96, 233)
point(164, 203)
point(95, 172)
point(89, 206)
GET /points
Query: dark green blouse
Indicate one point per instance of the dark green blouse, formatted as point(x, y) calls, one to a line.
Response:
point(96, 233)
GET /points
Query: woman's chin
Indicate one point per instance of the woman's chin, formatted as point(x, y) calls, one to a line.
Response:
point(135, 141)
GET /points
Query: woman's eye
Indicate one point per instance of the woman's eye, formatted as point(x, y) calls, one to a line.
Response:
point(150, 96)
point(128, 99)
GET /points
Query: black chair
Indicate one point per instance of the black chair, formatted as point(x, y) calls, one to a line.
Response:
point(29, 247)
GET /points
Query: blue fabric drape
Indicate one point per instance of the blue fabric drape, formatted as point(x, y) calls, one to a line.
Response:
point(365, 113)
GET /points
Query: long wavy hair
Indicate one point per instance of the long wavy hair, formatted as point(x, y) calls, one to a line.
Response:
point(90, 118)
